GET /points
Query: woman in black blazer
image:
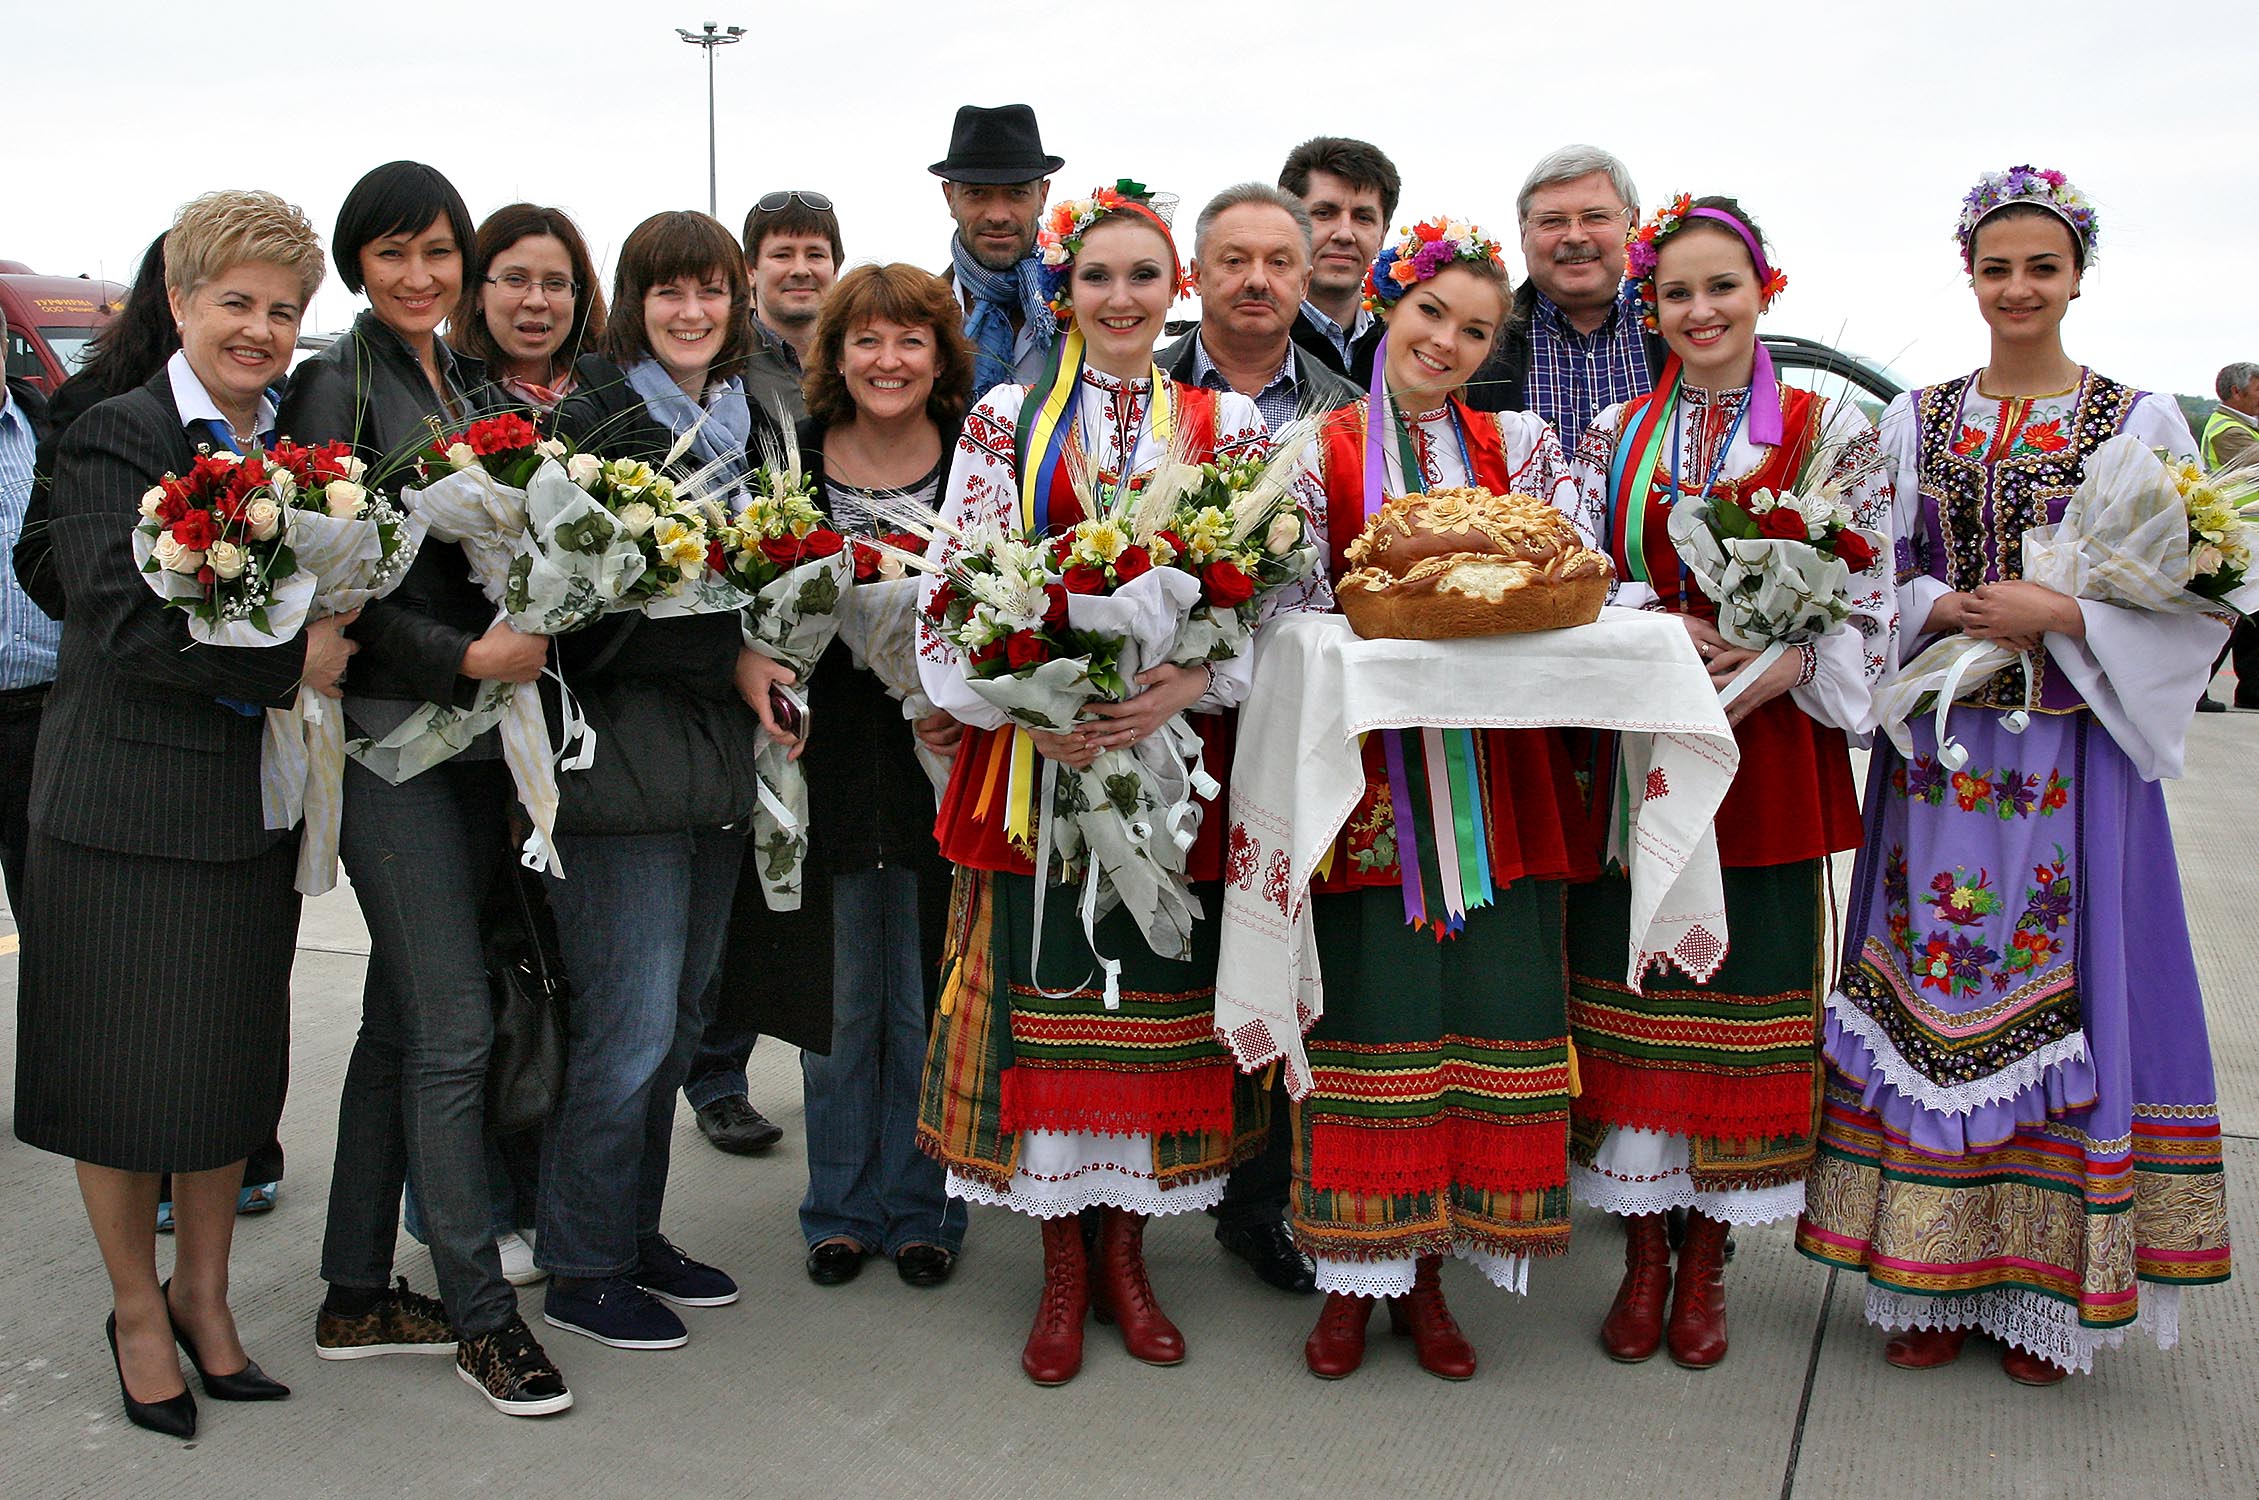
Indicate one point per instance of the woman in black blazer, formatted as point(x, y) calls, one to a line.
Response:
point(421, 853)
point(154, 999)
point(652, 834)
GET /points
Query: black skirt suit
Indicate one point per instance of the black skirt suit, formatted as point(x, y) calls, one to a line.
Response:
point(153, 1017)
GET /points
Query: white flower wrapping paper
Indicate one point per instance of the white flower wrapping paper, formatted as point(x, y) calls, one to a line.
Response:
point(2123, 540)
point(1129, 817)
point(302, 763)
point(878, 623)
point(791, 620)
point(1771, 592)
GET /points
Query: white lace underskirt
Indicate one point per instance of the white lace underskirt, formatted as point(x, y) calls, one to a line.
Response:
point(1649, 1172)
point(2039, 1325)
point(1393, 1278)
point(1066, 1171)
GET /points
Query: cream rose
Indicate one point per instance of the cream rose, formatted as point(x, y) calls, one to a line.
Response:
point(174, 558)
point(1286, 530)
point(282, 482)
point(550, 448)
point(584, 469)
point(264, 517)
point(151, 498)
point(636, 518)
point(345, 498)
point(461, 456)
point(226, 559)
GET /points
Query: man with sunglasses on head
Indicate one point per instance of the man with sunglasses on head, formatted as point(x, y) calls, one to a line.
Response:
point(793, 253)
point(1572, 347)
point(996, 179)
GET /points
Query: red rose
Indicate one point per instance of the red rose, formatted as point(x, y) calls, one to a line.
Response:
point(206, 577)
point(1226, 584)
point(821, 542)
point(866, 562)
point(905, 541)
point(937, 608)
point(1782, 524)
point(983, 655)
point(716, 558)
point(1133, 562)
point(1024, 648)
point(784, 550)
point(194, 530)
point(1084, 579)
point(1061, 547)
point(1055, 610)
point(1176, 543)
point(1853, 549)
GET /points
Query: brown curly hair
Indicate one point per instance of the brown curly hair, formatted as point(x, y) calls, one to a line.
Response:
point(898, 293)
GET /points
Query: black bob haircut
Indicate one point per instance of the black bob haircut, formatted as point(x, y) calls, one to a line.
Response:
point(400, 197)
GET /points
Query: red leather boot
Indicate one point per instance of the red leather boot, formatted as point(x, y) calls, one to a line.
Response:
point(1337, 1345)
point(2027, 1368)
point(1696, 1336)
point(1054, 1349)
point(1925, 1348)
point(1633, 1329)
point(1121, 1293)
point(1442, 1348)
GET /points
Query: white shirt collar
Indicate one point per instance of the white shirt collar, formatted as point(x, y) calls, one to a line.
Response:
point(196, 404)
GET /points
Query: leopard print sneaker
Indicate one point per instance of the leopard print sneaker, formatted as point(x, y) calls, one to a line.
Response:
point(402, 1322)
point(510, 1369)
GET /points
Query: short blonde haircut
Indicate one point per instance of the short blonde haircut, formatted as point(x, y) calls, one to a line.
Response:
point(231, 228)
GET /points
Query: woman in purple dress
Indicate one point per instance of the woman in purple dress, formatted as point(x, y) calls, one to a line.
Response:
point(2021, 1134)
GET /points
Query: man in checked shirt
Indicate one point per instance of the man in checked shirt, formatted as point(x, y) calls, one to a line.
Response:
point(1572, 346)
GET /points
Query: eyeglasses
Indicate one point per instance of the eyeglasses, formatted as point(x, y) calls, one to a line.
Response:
point(769, 203)
point(518, 283)
point(1591, 221)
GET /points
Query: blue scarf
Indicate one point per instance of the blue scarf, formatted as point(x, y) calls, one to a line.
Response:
point(728, 416)
point(994, 295)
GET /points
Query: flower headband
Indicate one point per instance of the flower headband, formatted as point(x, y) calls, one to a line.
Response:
point(2041, 187)
point(1643, 252)
point(1059, 240)
point(1424, 250)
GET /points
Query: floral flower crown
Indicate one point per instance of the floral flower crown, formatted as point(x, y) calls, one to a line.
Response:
point(1059, 240)
point(1424, 250)
point(1643, 252)
point(2040, 186)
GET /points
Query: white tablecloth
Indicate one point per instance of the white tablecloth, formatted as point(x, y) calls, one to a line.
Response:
point(1297, 774)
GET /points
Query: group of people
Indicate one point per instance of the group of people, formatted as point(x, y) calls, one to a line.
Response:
point(1981, 1112)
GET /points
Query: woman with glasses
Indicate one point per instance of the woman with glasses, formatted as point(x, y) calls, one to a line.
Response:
point(531, 305)
point(421, 854)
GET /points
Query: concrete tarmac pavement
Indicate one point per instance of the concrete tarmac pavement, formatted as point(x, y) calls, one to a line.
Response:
point(878, 1389)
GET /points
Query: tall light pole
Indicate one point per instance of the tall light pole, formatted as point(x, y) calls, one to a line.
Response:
point(713, 36)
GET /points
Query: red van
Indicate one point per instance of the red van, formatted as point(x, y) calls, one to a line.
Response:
point(51, 320)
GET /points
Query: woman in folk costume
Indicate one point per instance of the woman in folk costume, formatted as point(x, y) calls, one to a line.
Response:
point(2016, 1138)
point(1437, 1123)
point(1702, 1096)
point(1037, 1096)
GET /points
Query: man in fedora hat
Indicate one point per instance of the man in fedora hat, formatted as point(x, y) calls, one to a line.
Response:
point(996, 179)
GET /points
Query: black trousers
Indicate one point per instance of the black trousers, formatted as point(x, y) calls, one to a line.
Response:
point(19, 737)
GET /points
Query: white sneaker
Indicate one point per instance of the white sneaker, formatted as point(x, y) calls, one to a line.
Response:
point(518, 1268)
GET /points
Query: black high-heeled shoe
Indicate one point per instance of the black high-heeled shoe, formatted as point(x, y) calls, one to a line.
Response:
point(175, 1416)
point(247, 1384)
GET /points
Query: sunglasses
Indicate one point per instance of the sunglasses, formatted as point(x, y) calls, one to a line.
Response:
point(770, 203)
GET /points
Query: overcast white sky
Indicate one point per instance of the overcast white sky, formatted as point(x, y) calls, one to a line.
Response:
point(1850, 131)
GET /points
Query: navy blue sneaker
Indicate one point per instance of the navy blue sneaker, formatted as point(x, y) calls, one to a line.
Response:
point(668, 1274)
point(616, 1312)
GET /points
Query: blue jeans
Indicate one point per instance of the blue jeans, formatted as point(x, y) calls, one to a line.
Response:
point(867, 1179)
point(641, 919)
point(421, 856)
point(725, 1047)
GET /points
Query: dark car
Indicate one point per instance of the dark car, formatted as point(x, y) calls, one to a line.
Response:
point(1833, 372)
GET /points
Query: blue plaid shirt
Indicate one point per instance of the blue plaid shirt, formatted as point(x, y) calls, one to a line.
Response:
point(1276, 401)
point(27, 637)
point(1573, 376)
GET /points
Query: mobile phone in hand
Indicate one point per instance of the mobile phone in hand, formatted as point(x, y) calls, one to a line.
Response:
point(790, 712)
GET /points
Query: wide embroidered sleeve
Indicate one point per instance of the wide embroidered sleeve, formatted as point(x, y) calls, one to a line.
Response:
point(2141, 672)
point(1849, 663)
point(1917, 574)
point(982, 490)
point(1589, 472)
point(1540, 467)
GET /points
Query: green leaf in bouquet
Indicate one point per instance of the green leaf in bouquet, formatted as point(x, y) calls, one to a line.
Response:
point(258, 617)
point(819, 595)
point(1732, 522)
point(516, 594)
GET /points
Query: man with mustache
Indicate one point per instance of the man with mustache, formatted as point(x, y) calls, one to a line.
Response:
point(1572, 347)
point(996, 179)
point(1350, 188)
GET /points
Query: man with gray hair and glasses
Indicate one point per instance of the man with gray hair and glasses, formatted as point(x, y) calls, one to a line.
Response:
point(1572, 347)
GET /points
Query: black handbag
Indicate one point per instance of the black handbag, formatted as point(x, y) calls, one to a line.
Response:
point(526, 1068)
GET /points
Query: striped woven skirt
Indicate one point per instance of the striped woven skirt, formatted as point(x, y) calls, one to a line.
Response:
point(1437, 1122)
point(1040, 1099)
point(1700, 1096)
